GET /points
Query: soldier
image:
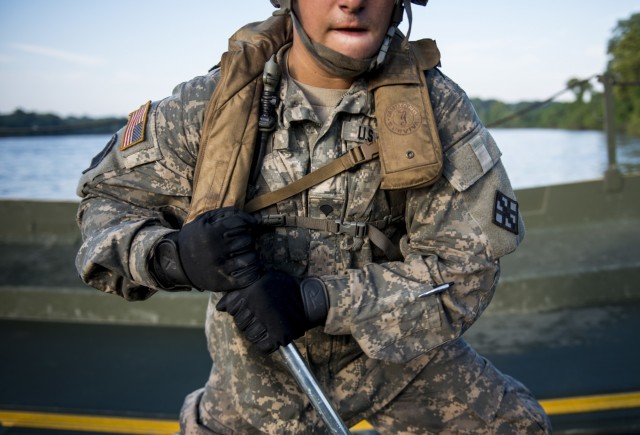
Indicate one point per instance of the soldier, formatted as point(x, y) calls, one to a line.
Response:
point(360, 208)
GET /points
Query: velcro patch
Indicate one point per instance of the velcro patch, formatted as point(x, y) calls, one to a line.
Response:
point(134, 131)
point(357, 132)
point(102, 154)
point(505, 213)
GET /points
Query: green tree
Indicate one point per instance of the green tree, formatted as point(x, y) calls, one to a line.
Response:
point(624, 64)
point(585, 113)
point(581, 88)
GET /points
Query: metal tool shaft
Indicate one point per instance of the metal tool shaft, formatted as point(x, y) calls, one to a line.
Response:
point(308, 383)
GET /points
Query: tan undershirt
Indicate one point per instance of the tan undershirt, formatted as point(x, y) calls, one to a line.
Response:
point(322, 100)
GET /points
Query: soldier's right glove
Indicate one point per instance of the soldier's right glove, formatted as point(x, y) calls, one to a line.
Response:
point(216, 251)
point(275, 310)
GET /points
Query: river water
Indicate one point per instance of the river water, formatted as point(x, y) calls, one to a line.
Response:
point(48, 167)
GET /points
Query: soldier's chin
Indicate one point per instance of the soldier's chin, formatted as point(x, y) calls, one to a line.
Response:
point(357, 45)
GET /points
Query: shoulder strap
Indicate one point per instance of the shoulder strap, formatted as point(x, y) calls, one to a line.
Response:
point(354, 157)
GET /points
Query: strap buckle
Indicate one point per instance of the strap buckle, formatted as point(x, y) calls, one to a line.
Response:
point(363, 153)
point(354, 229)
point(275, 220)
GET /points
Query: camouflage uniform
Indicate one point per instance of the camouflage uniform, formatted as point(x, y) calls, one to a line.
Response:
point(385, 354)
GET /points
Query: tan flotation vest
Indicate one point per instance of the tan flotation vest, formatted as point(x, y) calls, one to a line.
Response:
point(408, 143)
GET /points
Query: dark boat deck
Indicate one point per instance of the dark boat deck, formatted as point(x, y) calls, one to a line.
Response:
point(145, 371)
point(565, 319)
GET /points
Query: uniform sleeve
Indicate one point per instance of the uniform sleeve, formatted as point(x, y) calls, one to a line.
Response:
point(138, 189)
point(455, 233)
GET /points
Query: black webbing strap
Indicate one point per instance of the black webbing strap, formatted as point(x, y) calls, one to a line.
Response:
point(354, 229)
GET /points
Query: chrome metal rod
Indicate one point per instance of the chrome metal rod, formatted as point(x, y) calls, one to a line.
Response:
point(308, 383)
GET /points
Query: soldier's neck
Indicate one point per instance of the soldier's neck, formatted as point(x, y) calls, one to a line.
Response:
point(305, 69)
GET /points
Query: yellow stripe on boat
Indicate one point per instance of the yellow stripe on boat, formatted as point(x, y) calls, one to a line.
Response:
point(578, 405)
point(117, 425)
point(87, 423)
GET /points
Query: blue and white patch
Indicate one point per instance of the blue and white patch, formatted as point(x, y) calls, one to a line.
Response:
point(505, 213)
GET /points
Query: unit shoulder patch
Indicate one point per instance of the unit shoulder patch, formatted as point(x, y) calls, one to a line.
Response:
point(134, 131)
point(505, 213)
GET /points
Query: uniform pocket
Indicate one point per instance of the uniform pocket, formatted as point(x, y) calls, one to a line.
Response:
point(484, 395)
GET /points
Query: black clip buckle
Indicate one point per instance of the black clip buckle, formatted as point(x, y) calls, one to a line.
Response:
point(274, 220)
point(354, 229)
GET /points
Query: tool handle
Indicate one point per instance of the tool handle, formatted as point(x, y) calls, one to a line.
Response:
point(308, 383)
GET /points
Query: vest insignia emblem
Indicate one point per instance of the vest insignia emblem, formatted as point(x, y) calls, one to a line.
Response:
point(402, 118)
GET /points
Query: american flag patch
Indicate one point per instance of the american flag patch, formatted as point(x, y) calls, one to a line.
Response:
point(134, 131)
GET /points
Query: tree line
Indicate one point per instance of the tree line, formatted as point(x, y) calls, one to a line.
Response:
point(578, 115)
point(21, 123)
point(586, 112)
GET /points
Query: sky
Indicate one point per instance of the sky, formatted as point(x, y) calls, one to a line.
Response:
point(106, 58)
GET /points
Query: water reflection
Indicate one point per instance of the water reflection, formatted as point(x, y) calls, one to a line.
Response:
point(49, 167)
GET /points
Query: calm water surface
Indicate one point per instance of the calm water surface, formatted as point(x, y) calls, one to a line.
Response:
point(48, 168)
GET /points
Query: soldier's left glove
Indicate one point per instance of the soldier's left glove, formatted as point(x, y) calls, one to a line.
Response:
point(275, 310)
point(216, 251)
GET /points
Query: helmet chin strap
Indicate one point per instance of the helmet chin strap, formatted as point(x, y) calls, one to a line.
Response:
point(407, 7)
point(396, 18)
point(337, 63)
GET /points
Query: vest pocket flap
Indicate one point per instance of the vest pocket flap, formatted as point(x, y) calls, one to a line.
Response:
point(466, 162)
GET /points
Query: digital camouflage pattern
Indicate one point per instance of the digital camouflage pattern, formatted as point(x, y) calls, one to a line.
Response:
point(385, 354)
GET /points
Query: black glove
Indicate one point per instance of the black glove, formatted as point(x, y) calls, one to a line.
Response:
point(275, 310)
point(216, 251)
